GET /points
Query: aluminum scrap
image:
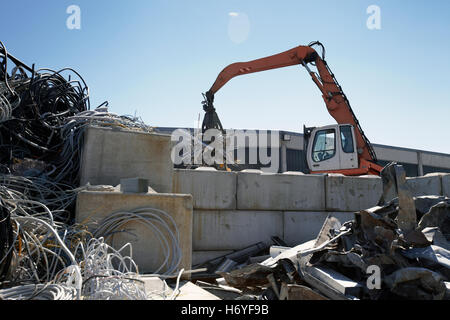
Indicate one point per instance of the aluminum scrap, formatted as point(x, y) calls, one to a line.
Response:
point(43, 254)
point(406, 237)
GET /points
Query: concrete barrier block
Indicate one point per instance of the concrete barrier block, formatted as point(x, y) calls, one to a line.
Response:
point(92, 207)
point(234, 230)
point(345, 193)
point(280, 192)
point(429, 184)
point(211, 190)
point(112, 154)
point(300, 227)
point(446, 185)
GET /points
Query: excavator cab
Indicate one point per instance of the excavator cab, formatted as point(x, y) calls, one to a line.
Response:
point(331, 147)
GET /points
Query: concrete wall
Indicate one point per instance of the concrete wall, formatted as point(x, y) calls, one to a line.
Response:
point(352, 193)
point(430, 184)
point(217, 233)
point(300, 227)
point(258, 191)
point(291, 206)
point(148, 254)
point(229, 210)
point(222, 230)
point(199, 257)
point(228, 230)
point(112, 154)
point(214, 190)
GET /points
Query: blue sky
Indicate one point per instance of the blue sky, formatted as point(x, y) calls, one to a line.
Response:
point(156, 57)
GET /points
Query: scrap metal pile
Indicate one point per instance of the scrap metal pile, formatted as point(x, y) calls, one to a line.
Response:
point(43, 255)
point(397, 250)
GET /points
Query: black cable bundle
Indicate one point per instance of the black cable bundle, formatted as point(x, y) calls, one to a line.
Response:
point(43, 117)
point(33, 110)
point(6, 241)
point(36, 121)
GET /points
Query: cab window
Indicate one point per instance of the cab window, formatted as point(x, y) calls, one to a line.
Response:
point(347, 139)
point(324, 146)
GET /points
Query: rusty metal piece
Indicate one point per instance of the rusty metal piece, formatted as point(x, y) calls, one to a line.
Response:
point(438, 216)
point(416, 283)
point(406, 218)
point(394, 182)
point(274, 285)
point(384, 236)
point(299, 292)
point(372, 228)
point(380, 259)
point(222, 291)
point(250, 276)
point(415, 238)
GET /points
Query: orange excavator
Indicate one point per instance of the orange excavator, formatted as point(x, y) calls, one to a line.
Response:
point(341, 148)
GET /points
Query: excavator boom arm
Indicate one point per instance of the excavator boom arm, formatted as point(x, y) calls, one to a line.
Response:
point(280, 60)
point(337, 103)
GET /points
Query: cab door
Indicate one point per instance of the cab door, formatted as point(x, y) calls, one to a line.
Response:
point(323, 152)
point(347, 153)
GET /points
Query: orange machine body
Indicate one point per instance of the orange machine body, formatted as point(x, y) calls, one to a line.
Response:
point(336, 102)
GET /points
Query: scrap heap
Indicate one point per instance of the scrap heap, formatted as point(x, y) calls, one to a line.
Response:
point(397, 250)
point(43, 255)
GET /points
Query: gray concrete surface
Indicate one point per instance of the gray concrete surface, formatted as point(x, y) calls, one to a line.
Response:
point(212, 190)
point(215, 230)
point(231, 210)
point(199, 257)
point(111, 154)
point(280, 192)
point(352, 193)
point(92, 207)
point(300, 227)
point(429, 184)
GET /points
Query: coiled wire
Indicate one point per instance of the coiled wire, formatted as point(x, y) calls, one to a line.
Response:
point(159, 222)
point(43, 117)
point(108, 275)
point(47, 291)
